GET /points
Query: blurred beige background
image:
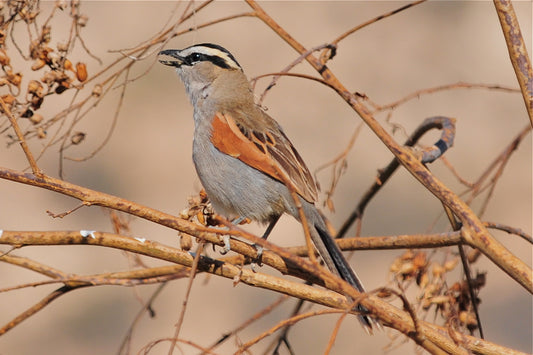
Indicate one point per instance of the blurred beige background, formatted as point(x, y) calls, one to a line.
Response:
point(148, 161)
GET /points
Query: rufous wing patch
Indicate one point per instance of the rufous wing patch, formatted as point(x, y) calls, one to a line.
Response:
point(227, 138)
point(263, 152)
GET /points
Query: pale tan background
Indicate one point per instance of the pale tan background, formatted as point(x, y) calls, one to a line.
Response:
point(148, 161)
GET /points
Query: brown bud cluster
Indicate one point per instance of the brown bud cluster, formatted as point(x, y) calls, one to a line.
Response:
point(451, 302)
point(199, 209)
point(58, 72)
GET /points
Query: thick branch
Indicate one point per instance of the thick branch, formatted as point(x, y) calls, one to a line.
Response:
point(389, 315)
point(517, 52)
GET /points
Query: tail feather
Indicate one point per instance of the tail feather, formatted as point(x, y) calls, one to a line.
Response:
point(336, 262)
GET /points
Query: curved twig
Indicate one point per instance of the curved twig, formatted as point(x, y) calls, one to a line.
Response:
point(432, 153)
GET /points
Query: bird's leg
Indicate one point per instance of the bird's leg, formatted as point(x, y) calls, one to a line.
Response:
point(226, 238)
point(265, 235)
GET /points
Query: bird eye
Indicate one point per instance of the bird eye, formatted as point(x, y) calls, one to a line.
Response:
point(196, 57)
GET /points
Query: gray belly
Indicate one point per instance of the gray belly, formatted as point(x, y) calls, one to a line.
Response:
point(237, 190)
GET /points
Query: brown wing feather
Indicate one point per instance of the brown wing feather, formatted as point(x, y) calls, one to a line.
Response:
point(270, 152)
point(290, 161)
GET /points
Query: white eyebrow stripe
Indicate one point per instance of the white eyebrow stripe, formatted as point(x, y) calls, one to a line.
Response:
point(210, 52)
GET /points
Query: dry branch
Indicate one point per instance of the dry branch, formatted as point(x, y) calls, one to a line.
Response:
point(475, 232)
point(390, 316)
point(517, 52)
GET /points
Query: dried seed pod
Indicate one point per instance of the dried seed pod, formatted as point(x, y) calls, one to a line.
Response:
point(82, 20)
point(23, 11)
point(68, 65)
point(41, 133)
point(451, 264)
point(49, 77)
point(184, 214)
point(36, 94)
point(8, 99)
point(38, 64)
point(407, 269)
point(81, 72)
point(14, 78)
point(464, 317)
point(97, 91)
point(27, 114)
point(61, 88)
point(62, 47)
point(36, 118)
point(35, 49)
point(456, 287)
point(440, 299)
point(35, 88)
point(61, 5)
point(77, 138)
point(46, 34)
point(4, 58)
point(432, 289)
point(36, 102)
point(419, 260)
point(426, 303)
point(201, 218)
point(409, 254)
point(185, 241)
point(53, 59)
point(384, 293)
point(423, 280)
point(438, 270)
point(30, 17)
point(62, 80)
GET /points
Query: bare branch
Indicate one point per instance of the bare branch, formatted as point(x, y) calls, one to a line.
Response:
point(477, 234)
point(517, 52)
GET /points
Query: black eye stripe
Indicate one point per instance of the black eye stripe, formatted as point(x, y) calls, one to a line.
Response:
point(194, 58)
point(220, 48)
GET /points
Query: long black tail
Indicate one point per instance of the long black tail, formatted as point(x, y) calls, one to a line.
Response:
point(344, 270)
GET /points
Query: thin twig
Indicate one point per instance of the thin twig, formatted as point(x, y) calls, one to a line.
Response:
point(194, 269)
point(31, 160)
point(374, 20)
point(292, 320)
point(505, 157)
point(338, 166)
point(147, 307)
point(459, 85)
point(267, 310)
point(285, 70)
point(511, 230)
point(35, 308)
point(466, 269)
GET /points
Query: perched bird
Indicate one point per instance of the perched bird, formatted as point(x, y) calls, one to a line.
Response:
point(240, 152)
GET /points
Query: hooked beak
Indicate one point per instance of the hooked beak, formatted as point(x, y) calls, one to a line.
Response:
point(171, 58)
